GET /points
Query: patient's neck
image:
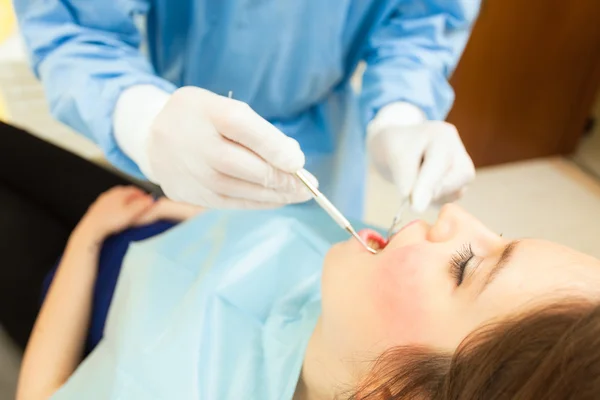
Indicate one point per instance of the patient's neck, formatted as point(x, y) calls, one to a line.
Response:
point(323, 376)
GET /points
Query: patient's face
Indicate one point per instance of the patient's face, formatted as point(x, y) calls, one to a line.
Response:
point(433, 285)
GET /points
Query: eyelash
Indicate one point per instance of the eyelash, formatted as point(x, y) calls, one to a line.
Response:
point(459, 262)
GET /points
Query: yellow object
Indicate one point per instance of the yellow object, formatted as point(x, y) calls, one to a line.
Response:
point(7, 28)
point(3, 115)
point(7, 20)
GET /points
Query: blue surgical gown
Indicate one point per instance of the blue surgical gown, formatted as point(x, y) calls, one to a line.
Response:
point(290, 60)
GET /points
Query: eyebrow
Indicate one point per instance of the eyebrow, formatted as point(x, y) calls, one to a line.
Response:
point(501, 264)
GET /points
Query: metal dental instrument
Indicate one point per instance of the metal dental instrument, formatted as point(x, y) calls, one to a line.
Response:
point(326, 205)
point(330, 209)
point(397, 219)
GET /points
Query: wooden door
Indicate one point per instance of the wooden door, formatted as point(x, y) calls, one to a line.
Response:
point(527, 79)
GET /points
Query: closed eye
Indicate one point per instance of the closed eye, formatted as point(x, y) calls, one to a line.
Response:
point(459, 262)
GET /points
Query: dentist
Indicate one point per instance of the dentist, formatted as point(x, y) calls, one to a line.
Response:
point(148, 82)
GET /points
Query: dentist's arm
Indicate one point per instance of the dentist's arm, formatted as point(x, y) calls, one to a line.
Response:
point(207, 149)
point(86, 53)
point(406, 95)
point(202, 149)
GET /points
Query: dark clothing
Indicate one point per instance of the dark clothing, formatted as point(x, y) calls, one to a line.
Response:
point(44, 192)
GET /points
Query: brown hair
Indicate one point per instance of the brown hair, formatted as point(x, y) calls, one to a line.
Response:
point(549, 353)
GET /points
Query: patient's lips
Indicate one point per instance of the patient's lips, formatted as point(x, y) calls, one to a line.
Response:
point(378, 242)
point(373, 239)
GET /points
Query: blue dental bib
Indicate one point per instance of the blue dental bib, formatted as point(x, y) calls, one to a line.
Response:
point(219, 307)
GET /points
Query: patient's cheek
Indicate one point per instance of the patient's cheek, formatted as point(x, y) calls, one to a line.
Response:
point(400, 292)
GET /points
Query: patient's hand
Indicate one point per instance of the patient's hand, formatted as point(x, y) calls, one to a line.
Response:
point(114, 211)
point(125, 206)
point(166, 209)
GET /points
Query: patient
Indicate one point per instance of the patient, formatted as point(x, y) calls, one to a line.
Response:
point(444, 311)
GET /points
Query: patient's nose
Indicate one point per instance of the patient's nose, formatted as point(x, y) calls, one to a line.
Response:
point(454, 222)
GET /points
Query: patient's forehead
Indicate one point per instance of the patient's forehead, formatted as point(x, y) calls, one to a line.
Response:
point(539, 267)
point(545, 255)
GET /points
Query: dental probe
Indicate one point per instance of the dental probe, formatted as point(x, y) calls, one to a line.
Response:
point(330, 209)
point(326, 205)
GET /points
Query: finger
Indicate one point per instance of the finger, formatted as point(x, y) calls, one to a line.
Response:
point(241, 163)
point(236, 204)
point(216, 201)
point(132, 193)
point(435, 166)
point(172, 210)
point(167, 209)
point(208, 189)
point(405, 163)
point(113, 190)
point(450, 197)
point(238, 122)
point(122, 189)
point(139, 206)
point(461, 173)
point(228, 186)
point(121, 194)
point(148, 217)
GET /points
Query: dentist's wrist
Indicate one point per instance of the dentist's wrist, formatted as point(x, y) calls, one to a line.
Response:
point(396, 114)
point(135, 111)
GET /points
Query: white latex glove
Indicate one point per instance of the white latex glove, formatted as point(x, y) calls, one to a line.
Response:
point(426, 160)
point(208, 150)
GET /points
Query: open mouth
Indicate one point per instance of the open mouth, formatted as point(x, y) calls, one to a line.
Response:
point(377, 242)
point(373, 239)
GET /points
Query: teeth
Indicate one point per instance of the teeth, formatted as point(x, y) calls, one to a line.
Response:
point(373, 244)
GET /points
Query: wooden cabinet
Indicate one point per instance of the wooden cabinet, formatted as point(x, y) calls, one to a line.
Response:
point(528, 79)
